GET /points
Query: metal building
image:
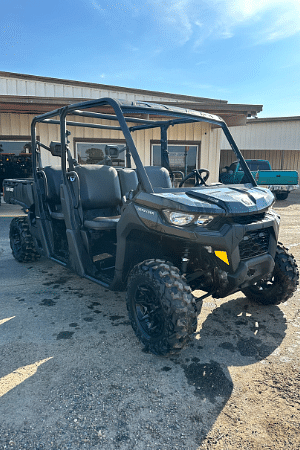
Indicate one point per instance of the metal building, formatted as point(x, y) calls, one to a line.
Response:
point(24, 96)
point(274, 139)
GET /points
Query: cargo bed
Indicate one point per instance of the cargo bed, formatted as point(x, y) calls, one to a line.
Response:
point(18, 191)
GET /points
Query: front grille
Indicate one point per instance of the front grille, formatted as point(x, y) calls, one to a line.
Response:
point(254, 243)
point(246, 220)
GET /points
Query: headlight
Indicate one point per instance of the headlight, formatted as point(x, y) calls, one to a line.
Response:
point(204, 220)
point(179, 218)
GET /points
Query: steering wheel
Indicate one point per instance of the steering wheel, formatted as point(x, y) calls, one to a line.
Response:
point(197, 175)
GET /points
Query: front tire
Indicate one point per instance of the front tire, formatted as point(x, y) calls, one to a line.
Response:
point(161, 307)
point(21, 241)
point(281, 285)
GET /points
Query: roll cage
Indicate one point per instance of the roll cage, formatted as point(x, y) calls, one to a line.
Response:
point(128, 125)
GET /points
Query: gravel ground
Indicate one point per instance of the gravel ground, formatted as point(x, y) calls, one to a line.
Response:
point(74, 376)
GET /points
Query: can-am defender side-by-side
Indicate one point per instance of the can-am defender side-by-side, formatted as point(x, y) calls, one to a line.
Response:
point(131, 228)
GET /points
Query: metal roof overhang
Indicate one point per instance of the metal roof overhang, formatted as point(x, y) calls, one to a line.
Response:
point(231, 114)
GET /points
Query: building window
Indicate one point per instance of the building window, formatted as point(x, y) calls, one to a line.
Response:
point(14, 147)
point(106, 152)
point(183, 156)
point(15, 158)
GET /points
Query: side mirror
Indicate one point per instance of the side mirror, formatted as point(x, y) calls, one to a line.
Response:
point(112, 151)
point(55, 148)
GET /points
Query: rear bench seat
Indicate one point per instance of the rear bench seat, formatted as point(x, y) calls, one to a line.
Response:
point(100, 196)
point(101, 191)
point(52, 176)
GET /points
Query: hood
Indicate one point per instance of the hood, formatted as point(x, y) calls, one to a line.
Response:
point(236, 200)
point(220, 200)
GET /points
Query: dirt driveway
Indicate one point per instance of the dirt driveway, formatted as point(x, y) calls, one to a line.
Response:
point(74, 376)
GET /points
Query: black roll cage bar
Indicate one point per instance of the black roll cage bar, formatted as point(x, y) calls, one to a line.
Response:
point(180, 115)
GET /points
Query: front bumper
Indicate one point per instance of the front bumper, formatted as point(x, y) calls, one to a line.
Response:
point(251, 271)
point(282, 187)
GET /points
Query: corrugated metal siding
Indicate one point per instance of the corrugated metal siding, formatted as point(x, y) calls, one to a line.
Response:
point(19, 87)
point(275, 135)
point(19, 124)
point(15, 124)
point(277, 141)
point(279, 160)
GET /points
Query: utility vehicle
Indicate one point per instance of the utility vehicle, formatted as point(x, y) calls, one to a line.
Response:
point(131, 229)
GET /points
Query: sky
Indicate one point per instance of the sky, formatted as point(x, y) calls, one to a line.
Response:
point(242, 51)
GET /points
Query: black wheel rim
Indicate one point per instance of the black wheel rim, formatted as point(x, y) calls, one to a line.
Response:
point(264, 286)
point(148, 311)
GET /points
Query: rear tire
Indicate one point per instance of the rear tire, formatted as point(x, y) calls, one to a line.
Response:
point(281, 195)
point(161, 307)
point(21, 241)
point(281, 285)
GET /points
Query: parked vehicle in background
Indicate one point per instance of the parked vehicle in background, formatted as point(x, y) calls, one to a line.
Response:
point(131, 229)
point(280, 182)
